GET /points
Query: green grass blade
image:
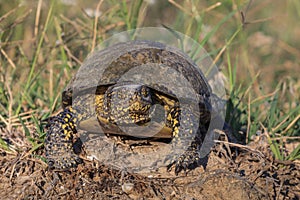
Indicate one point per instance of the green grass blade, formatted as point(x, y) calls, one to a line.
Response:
point(295, 154)
point(34, 62)
point(4, 145)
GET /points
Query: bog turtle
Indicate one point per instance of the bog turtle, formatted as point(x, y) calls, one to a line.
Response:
point(120, 85)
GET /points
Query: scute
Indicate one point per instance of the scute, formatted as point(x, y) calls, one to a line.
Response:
point(137, 60)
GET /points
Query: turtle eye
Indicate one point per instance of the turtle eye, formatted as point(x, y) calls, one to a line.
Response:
point(144, 92)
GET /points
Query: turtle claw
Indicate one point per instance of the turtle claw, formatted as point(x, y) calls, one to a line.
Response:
point(189, 160)
point(64, 162)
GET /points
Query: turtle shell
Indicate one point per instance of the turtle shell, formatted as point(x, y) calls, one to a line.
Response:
point(164, 68)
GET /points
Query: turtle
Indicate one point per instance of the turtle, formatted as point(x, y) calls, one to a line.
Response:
point(120, 85)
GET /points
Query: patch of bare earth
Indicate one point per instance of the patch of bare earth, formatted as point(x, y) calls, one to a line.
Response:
point(242, 172)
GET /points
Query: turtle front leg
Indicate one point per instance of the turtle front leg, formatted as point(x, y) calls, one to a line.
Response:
point(190, 159)
point(59, 144)
point(188, 133)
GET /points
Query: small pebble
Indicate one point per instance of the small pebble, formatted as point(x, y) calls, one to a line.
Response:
point(127, 187)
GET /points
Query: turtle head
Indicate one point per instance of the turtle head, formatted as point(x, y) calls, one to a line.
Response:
point(128, 103)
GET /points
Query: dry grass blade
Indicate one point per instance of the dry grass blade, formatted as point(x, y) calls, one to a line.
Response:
point(96, 25)
point(283, 121)
point(4, 120)
point(262, 97)
point(61, 42)
point(6, 15)
point(180, 7)
point(213, 7)
point(17, 21)
point(10, 105)
point(78, 25)
point(284, 138)
point(240, 146)
point(248, 119)
point(37, 17)
point(8, 59)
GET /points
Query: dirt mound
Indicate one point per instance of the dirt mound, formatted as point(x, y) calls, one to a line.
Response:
point(240, 173)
